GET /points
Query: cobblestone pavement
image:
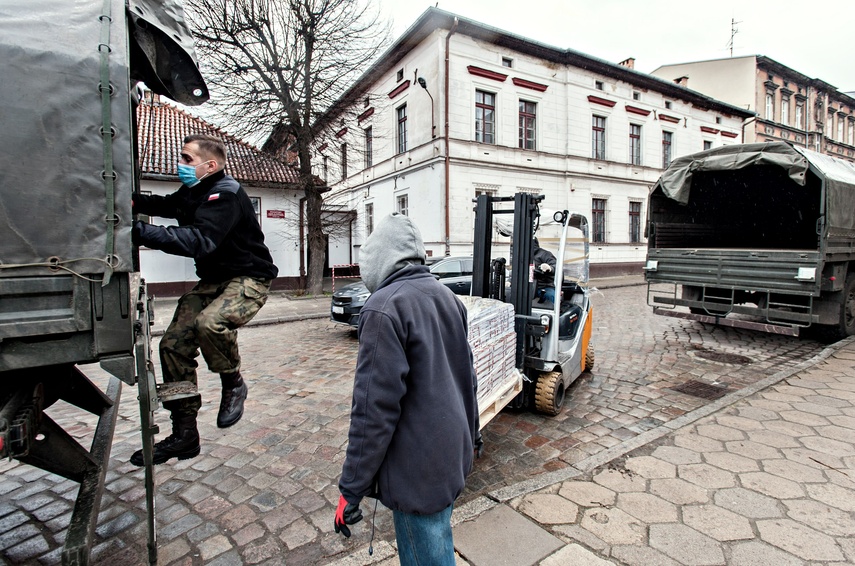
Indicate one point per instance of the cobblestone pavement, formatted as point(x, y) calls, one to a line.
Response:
point(264, 490)
point(768, 480)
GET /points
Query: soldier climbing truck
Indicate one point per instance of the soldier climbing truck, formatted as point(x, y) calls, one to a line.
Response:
point(756, 236)
point(70, 290)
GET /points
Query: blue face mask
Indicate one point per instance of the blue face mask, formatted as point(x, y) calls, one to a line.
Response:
point(187, 174)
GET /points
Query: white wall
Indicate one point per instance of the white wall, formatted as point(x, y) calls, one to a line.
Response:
point(280, 235)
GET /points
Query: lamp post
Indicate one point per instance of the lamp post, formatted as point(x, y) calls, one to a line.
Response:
point(423, 83)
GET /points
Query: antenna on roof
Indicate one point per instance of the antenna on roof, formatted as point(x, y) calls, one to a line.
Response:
point(733, 31)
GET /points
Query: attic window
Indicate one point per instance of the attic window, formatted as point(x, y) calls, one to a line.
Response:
point(400, 76)
point(507, 62)
point(599, 85)
point(367, 101)
point(668, 104)
point(636, 95)
point(718, 119)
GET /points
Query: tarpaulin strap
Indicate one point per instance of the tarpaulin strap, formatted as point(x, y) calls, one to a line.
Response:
point(109, 175)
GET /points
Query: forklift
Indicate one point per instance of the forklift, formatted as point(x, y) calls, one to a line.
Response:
point(553, 337)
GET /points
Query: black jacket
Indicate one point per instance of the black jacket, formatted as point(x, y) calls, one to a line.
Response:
point(217, 227)
point(415, 412)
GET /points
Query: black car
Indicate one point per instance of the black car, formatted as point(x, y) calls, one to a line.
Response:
point(455, 272)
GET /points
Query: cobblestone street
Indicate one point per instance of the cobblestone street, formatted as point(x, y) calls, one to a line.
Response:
point(264, 491)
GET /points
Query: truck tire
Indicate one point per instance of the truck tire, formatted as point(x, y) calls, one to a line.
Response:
point(846, 304)
point(549, 393)
point(589, 358)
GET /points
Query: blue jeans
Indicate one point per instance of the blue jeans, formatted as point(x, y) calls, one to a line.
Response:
point(424, 540)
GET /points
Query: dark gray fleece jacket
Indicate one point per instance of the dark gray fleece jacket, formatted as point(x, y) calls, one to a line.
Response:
point(414, 416)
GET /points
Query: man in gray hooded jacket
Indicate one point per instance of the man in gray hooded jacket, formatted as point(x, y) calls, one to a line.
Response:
point(414, 418)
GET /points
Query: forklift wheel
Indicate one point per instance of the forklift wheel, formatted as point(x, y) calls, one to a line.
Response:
point(549, 395)
point(589, 358)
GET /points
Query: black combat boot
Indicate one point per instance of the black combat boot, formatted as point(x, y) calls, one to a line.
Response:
point(231, 404)
point(183, 443)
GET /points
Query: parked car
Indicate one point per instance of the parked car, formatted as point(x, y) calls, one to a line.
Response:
point(455, 272)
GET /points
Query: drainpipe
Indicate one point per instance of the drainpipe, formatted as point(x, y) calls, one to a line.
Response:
point(302, 246)
point(447, 157)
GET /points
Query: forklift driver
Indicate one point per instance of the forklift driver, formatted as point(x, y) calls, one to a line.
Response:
point(544, 263)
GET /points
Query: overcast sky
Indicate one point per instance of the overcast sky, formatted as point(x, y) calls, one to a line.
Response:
point(816, 39)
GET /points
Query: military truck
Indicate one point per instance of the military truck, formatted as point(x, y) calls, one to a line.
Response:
point(756, 236)
point(70, 290)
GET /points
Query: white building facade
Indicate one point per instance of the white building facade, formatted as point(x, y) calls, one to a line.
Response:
point(455, 109)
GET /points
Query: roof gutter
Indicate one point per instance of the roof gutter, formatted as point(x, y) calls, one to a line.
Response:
point(447, 155)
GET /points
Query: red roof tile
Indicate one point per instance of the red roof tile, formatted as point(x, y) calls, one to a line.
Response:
point(162, 127)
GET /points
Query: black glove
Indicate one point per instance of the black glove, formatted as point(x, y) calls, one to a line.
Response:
point(479, 446)
point(136, 232)
point(346, 514)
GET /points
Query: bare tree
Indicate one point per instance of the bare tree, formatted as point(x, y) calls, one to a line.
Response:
point(275, 66)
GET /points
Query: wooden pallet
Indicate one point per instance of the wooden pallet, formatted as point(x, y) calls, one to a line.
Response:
point(490, 407)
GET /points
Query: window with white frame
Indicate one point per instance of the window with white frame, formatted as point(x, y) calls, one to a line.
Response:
point(485, 117)
point(707, 145)
point(785, 111)
point(635, 144)
point(851, 132)
point(369, 218)
point(402, 205)
point(369, 147)
point(829, 127)
point(598, 137)
point(770, 106)
point(401, 114)
point(598, 220)
point(667, 141)
point(800, 108)
point(840, 137)
point(528, 124)
point(634, 222)
point(507, 62)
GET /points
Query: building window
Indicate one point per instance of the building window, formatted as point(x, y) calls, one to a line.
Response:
point(635, 144)
point(369, 218)
point(785, 111)
point(367, 101)
point(770, 107)
point(840, 130)
point(507, 62)
point(667, 139)
point(402, 205)
point(485, 117)
point(598, 220)
point(829, 129)
point(800, 108)
point(256, 206)
point(399, 76)
point(636, 95)
point(527, 124)
point(851, 132)
point(343, 161)
point(634, 222)
point(599, 85)
point(598, 137)
point(402, 128)
point(369, 147)
point(668, 105)
point(718, 119)
point(707, 145)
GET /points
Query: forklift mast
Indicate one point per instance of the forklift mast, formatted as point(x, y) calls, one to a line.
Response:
point(526, 213)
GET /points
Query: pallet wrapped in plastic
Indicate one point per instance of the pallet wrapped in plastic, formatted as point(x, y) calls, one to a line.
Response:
point(493, 340)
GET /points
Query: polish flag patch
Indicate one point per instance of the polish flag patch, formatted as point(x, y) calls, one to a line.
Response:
point(214, 196)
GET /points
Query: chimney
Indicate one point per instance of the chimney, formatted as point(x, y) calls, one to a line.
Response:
point(682, 81)
point(629, 63)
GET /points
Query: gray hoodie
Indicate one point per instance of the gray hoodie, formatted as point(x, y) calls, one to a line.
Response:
point(395, 243)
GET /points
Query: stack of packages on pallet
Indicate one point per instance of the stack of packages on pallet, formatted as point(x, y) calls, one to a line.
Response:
point(493, 343)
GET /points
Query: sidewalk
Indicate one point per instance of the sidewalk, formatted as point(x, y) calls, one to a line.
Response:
point(764, 476)
point(287, 307)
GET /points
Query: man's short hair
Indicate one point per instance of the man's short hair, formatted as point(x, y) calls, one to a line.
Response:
point(210, 146)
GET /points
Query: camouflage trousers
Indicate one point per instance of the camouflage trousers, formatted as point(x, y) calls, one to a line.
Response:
point(207, 318)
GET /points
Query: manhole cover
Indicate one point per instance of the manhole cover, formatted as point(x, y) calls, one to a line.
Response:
point(722, 357)
point(702, 390)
